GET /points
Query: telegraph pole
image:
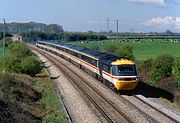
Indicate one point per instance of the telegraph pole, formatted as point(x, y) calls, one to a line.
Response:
point(4, 34)
point(107, 25)
point(117, 28)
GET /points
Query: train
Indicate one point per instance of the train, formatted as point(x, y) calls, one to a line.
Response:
point(116, 72)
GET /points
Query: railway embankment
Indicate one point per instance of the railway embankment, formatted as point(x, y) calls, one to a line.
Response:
point(25, 98)
point(116, 99)
point(77, 108)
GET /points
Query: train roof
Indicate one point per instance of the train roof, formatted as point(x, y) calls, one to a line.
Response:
point(78, 48)
point(103, 57)
point(92, 53)
point(107, 58)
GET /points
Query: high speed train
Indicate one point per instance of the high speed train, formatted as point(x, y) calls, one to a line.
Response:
point(117, 73)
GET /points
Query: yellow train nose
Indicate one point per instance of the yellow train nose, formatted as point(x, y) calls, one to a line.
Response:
point(126, 85)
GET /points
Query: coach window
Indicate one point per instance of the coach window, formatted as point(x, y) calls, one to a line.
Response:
point(84, 58)
point(66, 50)
point(94, 62)
point(59, 48)
point(75, 54)
point(106, 68)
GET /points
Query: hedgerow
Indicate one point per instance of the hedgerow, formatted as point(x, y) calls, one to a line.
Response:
point(176, 69)
point(162, 67)
point(21, 60)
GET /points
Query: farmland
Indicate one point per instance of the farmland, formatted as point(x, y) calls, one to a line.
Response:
point(143, 49)
point(1, 52)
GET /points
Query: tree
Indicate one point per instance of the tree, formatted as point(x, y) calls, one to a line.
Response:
point(30, 65)
point(19, 49)
point(22, 60)
point(176, 69)
point(162, 67)
point(125, 51)
point(111, 48)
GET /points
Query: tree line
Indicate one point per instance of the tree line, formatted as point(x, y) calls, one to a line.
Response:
point(15, 28)
point(62, 36)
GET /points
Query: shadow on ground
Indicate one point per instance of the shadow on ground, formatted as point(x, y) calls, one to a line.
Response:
point(153, 92)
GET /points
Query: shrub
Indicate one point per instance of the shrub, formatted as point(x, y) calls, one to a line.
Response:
point(16, 53)
point(95, 47)
point(162, 67)
point(12, 63)
point(147, 65)
point(111, 48)
point(144, 69)
point(176, 69)
point(21, 60)
point(19, 49)
point(30, 65)
point(125, 51)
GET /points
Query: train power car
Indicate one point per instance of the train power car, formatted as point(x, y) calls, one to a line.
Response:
point(117, 73)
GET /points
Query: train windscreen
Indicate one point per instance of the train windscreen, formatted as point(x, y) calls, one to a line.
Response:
point(124, 70)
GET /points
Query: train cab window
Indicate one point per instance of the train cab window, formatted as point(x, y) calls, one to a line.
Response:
point(124, 70)
point(106, 68)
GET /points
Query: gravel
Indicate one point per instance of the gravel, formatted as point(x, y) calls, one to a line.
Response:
point(78, 107)
point(79, 110)
point(113, 97)
point(153, 113)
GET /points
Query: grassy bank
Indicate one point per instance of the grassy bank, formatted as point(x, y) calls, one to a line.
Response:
point(52, 111)
point(23, 98)
point(143, 49)
point(1, 53)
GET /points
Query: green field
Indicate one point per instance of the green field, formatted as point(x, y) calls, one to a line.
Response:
point(1, 52)
point(142, 49)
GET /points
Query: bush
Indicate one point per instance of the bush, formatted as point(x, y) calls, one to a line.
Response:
point(144, 69)
point(176, 69)
point(111, 48)
point(12, 63)
point(21, 60)
point(16, 53)
point(30, 65)
point(19, 49)
point(162, 67)
point(147, 65)
point(125, 51)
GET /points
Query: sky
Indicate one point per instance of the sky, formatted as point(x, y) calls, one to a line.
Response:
point(85, 15)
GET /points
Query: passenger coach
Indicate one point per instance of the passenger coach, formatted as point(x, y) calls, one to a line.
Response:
point(117, 73)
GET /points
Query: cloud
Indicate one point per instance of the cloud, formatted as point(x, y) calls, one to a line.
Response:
point(177, 23)
point(164, 21)
point(161, 3)
point(159, 21)
point(155, 2)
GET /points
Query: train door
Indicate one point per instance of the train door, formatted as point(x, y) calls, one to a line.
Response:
point(100, 70)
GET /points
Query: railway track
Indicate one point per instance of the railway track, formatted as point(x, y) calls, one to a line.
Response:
point(151, 110)
point(156, 109)
point(109, 110)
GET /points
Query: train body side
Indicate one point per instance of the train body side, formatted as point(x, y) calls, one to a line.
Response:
point(98, 65)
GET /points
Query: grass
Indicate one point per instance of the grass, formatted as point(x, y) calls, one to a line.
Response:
point(1, 53)
point(53, 112)
point(143, 49)
point(172, 104)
